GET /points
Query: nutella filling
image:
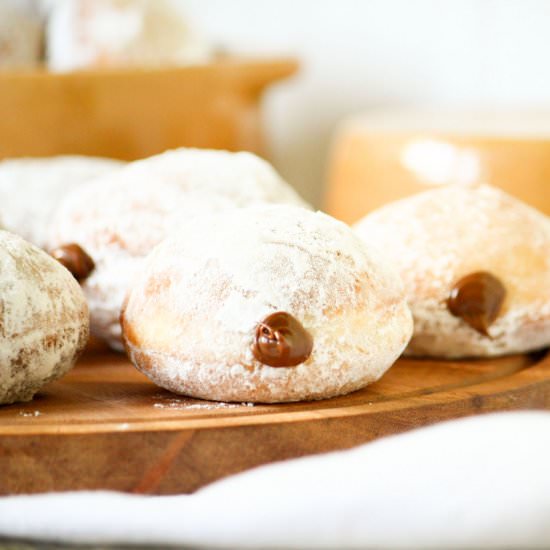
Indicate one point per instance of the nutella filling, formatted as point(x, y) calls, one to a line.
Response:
point(281, 341)
point(75, 259)
point(477, 299)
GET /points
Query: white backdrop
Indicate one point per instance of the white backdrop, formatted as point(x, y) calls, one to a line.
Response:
point(360, 55)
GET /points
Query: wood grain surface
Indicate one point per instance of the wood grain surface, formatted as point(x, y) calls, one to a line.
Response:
point(104, 425)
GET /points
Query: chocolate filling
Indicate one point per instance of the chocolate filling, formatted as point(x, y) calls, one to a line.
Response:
point(477, 299)
point(281, 341)
point(75, 259)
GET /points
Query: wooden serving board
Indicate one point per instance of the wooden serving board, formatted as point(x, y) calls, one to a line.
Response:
point(105, 426)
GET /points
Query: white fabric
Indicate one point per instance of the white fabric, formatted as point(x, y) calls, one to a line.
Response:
point(482, 482)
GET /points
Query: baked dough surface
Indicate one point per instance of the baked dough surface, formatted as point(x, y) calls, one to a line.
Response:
point(437, 237)
point(44, 321)
point(119, 218)
point(190, 318)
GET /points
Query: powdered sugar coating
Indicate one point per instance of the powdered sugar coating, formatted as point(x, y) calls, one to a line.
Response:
point(111, 33)
point(21, 35)
point(31, 189)
point(117, 226)
point(243, 178)
point(441, 235)
point(43, 319)
point(119, 218)
point(191, 314)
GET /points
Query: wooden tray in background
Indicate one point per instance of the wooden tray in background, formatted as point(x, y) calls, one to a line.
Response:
point(105, 426)
point(135, 113)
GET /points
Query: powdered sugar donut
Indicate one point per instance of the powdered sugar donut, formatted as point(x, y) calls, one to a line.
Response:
point(476, 266)
point(31, 189)
point(117, 227)
point(118, 219)
point(111, 33)
point(243, 178)
point(287, 305)
point(43, 319)
point(21, 34)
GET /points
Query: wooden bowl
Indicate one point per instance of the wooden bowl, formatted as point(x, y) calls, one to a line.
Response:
point(130, 114)
point(381, 157)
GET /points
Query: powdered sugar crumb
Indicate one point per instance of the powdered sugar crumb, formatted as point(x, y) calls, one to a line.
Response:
point(188, 404)
point(30, 413)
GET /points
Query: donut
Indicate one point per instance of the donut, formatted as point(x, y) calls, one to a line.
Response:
point(31, 189)
point(243, 178)
point(475, 263)
point(113, 33)
point(269, 304)
point(118, 219)
point(43, 319)
point(21, 35)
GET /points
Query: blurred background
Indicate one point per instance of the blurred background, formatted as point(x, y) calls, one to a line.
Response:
point(359, 55)
point(486, 57)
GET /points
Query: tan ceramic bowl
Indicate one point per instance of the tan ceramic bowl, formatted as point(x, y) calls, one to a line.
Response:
point(380, 157)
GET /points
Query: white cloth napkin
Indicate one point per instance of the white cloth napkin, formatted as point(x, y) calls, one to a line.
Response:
point(482, 482)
